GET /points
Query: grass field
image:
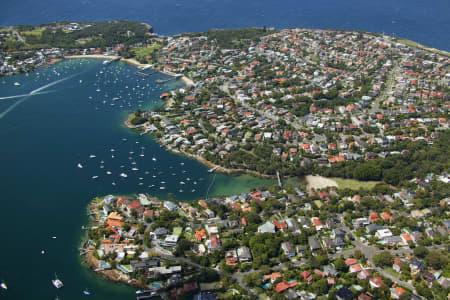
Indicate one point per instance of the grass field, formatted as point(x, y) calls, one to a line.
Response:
point(142, 52)
point(354, 184)
point(420, 46)
point(37, 32)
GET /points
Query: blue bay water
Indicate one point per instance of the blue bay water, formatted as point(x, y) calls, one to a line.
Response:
point(426, 22)
point(70, 116)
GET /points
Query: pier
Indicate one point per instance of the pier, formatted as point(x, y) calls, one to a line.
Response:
point(212, 169)
point(280, 184)
point(143, 74)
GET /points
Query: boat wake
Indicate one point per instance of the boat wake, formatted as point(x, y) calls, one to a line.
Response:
point(32, 93)
point(20, 96)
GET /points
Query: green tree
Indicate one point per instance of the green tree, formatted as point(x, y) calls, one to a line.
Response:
point(383, 259)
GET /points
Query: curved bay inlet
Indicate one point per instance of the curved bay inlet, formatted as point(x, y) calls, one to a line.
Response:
point(63, 143)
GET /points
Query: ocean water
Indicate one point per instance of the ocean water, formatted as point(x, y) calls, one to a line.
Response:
point(69, 115)
point(426, 22)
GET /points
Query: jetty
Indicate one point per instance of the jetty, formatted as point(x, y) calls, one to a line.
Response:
point(213, 169)
point(143, 74)
point(280, 184)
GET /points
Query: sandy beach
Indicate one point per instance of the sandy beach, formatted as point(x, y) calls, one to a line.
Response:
point(93, 56)
point(134, 62)
point(187, 81)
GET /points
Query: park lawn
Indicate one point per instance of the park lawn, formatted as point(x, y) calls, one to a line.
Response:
point(354, 184)
point(142, 52)
point(37, 32)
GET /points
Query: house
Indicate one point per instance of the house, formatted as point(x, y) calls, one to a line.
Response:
point(337, 233)
point(355, 268)
point(338, 243)
point(170, 241)
point(416, 266)
point(373, 217)
point(214, 243)
point(160, 232)
point(231, 258)
point(244, 254)
point(406, 238)
point(306, 275)
point(273, 277)
point(397, 292)
point(284, 285)
point(398, 264)
point(344, 294)
point(374, 227)
point(133, 206)
point(106, 209)
point(267, 227)
point(317, 223)
point(383, 233)
point(314, 244)
point(428, 277)
point(109, 199)
point(364, 297)
point(170, 206)
point(288, 249)
point(364, 274)
point(330, 270)
point(375, 282)
point(386, 216)
point(350, 261)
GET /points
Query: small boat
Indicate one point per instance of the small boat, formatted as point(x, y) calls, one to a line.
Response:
point(154, 159)
point(92, 156)
point(135, 169)
point(3, 285)
point(42, 252)
point(80, 166)
point(123, 175)
point(57, 283)
point(162, 188)
point(108, 172)
point(16, 83)
point(113, 183)
point(86, 292)
point(94, 177)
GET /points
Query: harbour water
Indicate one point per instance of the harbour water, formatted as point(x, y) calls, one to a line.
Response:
point(67, 117)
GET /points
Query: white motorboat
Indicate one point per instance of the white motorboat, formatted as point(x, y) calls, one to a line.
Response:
point(3, 285)
point(123, 175)
point(80, 166)
point(57, 283)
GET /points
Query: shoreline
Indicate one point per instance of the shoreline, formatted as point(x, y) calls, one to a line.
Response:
point(204, 161)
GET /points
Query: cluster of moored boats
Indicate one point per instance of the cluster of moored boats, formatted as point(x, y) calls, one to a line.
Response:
point(109, 168)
